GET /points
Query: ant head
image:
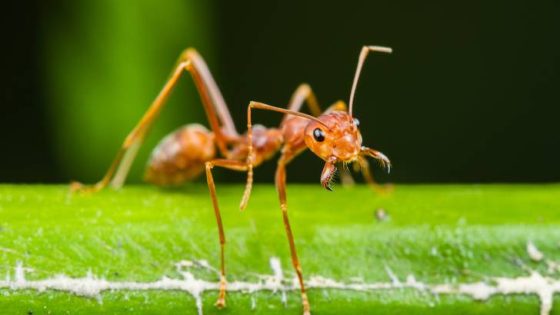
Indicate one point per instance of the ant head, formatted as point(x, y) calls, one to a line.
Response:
point(335, 136)
point(337, 139)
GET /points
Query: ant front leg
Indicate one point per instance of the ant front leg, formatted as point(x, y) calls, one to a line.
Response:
point(216, 110)
point(365, 169)
point(280, 180)
point(236, 165)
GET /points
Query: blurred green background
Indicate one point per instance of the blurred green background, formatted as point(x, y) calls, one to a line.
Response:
point(471, 93)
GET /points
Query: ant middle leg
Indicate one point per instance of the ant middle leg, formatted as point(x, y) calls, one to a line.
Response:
point(232, 165)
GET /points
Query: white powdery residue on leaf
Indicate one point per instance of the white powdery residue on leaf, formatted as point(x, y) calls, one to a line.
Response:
point(204, 264)
point(183, 264)
point(553, 266)
point(284, 298)
point(8, 250)
point(434, 251)
point(91, 286)
point(533, 252)
point(276, 267)
point(477, 290)
point(534, 283)
point(392, 276)
point(278, 278)
point(253, 303)
point(20, 272)
point(412, 283)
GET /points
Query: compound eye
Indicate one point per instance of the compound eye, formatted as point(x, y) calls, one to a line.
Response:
point(356, 122)
point(318, 135)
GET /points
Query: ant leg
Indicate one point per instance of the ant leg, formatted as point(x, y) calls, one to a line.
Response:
point(366, 173)
point(304, 94)
point(338, 106)
point(250, 161)
point(134, 139)
point(280, 186)
point(368, 177)
point(233, 165)
point(346, 177)
point(280, 180)
point(212, 101)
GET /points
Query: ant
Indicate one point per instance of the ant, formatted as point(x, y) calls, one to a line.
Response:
point(189, 151)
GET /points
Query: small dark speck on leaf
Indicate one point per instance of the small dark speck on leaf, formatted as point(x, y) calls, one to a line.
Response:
point(116, 274)
point(29, 312)
point(381, 215)
point(518, 262)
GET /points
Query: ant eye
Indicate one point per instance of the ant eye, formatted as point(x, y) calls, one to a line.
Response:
point(318, 135)
point(356, 122)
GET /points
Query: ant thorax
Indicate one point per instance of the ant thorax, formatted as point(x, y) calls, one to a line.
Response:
point(336, 139)
point(266, 142)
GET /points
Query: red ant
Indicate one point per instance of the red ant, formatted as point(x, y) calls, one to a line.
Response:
point(184, 154)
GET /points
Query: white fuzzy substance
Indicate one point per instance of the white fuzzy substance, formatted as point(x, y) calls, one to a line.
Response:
point(253, 303)
point(535, 283)
point(533, 252)
point(392, 276)
point(91, 286)
point(278, 277)
point(184, 264)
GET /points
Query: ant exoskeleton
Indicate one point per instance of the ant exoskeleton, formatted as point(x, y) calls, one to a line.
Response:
point(184, 154)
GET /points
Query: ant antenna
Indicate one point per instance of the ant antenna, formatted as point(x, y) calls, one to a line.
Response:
point(361, 60)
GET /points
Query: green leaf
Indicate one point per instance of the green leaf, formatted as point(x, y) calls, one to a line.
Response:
point(440, 235)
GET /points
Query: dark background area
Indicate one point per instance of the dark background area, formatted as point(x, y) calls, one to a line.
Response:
point(470, 94)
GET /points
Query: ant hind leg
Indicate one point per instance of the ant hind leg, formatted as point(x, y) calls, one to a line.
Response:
point(212, 100)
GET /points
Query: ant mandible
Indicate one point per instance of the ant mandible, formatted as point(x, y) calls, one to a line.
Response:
point(187, 152)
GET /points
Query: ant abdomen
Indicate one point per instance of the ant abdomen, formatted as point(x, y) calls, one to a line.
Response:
point(180, 156)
